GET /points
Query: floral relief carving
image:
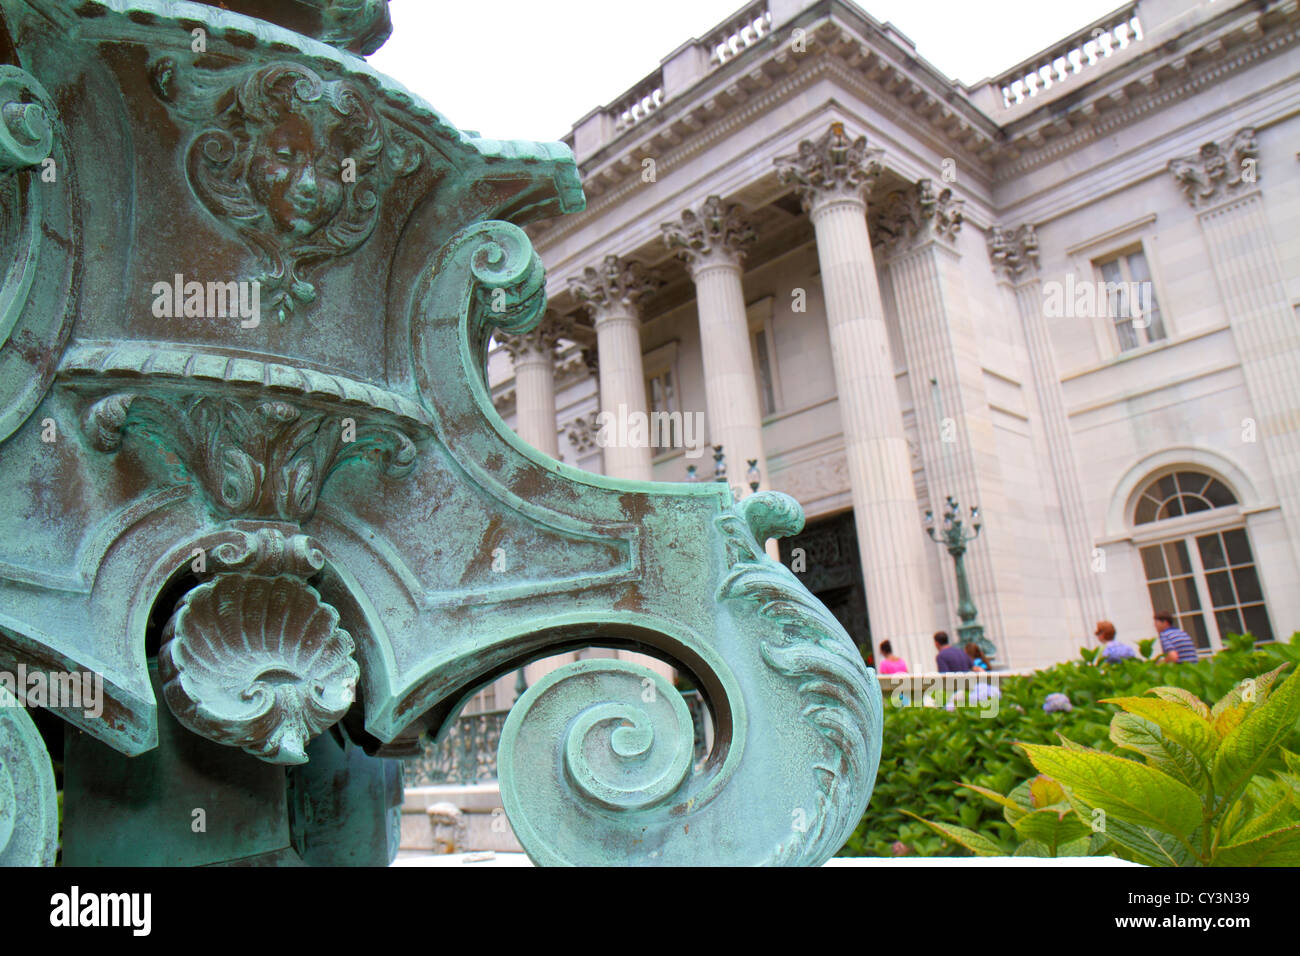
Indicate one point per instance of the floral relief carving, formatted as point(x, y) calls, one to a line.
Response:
point(294, 164)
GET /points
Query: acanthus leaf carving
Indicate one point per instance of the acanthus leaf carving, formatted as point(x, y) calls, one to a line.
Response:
point(916, 213)
point(251, 457)
point(1218, 170)
point(1013, 252)
point(831, 167)
point(717, 232)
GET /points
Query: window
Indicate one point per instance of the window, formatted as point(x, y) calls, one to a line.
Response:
point(1128, 299)
point(1183, 492)
point(763, 349)
point(1200, 565)
point(662, 397)
point(763, 368)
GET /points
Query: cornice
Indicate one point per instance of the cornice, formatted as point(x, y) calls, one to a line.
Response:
point(1159, 97)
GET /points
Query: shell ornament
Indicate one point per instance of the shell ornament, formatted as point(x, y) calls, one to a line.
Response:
point(257, 663)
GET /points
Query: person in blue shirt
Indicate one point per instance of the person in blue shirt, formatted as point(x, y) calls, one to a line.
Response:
point(1111, 649)
point(1177, 644)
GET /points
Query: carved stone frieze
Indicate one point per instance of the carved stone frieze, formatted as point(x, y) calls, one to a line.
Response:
point(717, 233)
point(831, 167)
point(1013, 252)
point(1218, 171)
point(916, 213)
point(816, 479)
point(295, 165)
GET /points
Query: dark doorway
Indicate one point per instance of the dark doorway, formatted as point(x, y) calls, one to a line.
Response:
point(833, 572)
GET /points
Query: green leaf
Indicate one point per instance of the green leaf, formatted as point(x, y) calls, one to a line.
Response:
point(1142, 736)
point(1052, 827)
point(1279, 848)
point(1013, 808)
point(1131, 791)
point(1045, 792)
point(1245, 749)
point(1145, 647)
point(1176, 695)
point(977, 843)
point(1079, 847)
point(1292, 761)
point(1033, 848)
point(1177, 723)
point(1142, 844)
point(1269, 804)
point(1249, 689)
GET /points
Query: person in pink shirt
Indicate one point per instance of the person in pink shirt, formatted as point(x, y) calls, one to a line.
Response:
point(890, 662)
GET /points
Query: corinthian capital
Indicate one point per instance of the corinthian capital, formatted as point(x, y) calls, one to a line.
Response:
point(916, 213)
point(831, 167)
point(540, 342)
point(1218, 170)
point(717, 234)
point(1013, 251)
point(617, 285)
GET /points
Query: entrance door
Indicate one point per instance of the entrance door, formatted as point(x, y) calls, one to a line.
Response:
point(832, 571)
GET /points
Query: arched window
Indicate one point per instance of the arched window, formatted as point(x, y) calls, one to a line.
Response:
point(1199, 564)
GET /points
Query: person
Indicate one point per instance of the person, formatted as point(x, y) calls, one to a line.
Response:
point(1111, 649)
point(890, 662)
point(951, 658)
point(977, 662)
point(1177, 644)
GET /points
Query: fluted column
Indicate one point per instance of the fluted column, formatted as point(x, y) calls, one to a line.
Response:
point(916, 227)
point(1014, 254)
point(712, 242)
point(833, 175)
point(533, 357)
point(612, 292)
point(1221, 181)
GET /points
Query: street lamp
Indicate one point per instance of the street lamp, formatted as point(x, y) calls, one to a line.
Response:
point(954, 537)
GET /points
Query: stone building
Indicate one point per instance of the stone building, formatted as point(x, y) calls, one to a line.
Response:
point(1067, 294)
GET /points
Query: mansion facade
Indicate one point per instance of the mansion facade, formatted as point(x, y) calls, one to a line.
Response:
point(1068, 295)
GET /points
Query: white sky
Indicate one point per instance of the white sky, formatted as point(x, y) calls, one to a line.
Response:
point(530, 69)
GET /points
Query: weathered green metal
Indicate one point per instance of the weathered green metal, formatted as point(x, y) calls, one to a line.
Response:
point(294, 511)
point(954, 538)
point(29, 808)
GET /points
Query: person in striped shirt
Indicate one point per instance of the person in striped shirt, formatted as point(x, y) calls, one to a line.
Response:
point(1177, 644)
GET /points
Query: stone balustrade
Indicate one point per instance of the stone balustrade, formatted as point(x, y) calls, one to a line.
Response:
point(638, 103)
point(1086, 48)
point(739, 33)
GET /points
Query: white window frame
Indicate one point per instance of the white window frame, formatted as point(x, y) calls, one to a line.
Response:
point(759, 317)
point(653, 364)
point(1084, 259)
point(1188, 528)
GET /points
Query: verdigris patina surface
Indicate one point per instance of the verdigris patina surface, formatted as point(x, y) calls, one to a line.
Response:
point(250, 470)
